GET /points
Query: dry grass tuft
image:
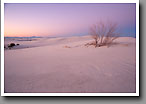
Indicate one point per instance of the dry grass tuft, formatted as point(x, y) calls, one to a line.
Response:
point(67, 47)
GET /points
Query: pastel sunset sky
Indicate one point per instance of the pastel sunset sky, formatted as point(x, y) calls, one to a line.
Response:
point(46, 19)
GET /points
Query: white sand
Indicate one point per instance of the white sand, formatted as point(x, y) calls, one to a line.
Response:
point(66, 65)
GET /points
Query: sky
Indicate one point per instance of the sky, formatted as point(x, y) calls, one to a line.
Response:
point(52, 20)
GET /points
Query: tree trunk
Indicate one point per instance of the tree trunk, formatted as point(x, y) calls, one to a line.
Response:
point(95, 43)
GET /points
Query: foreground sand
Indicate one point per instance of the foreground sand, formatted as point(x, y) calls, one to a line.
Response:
point(66, 65)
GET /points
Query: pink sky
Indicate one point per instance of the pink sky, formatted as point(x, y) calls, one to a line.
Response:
point(24, 20)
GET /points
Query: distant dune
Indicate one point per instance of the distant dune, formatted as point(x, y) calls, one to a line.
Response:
point(66, 65)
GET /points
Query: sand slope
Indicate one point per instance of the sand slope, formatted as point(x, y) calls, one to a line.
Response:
point(66, 65)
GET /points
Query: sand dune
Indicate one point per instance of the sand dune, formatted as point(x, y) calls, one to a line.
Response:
point(67, 65)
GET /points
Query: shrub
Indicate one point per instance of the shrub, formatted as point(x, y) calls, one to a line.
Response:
point(11, 45)
point(103, 34)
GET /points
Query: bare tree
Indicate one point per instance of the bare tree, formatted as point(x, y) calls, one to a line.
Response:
point(103, 34)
